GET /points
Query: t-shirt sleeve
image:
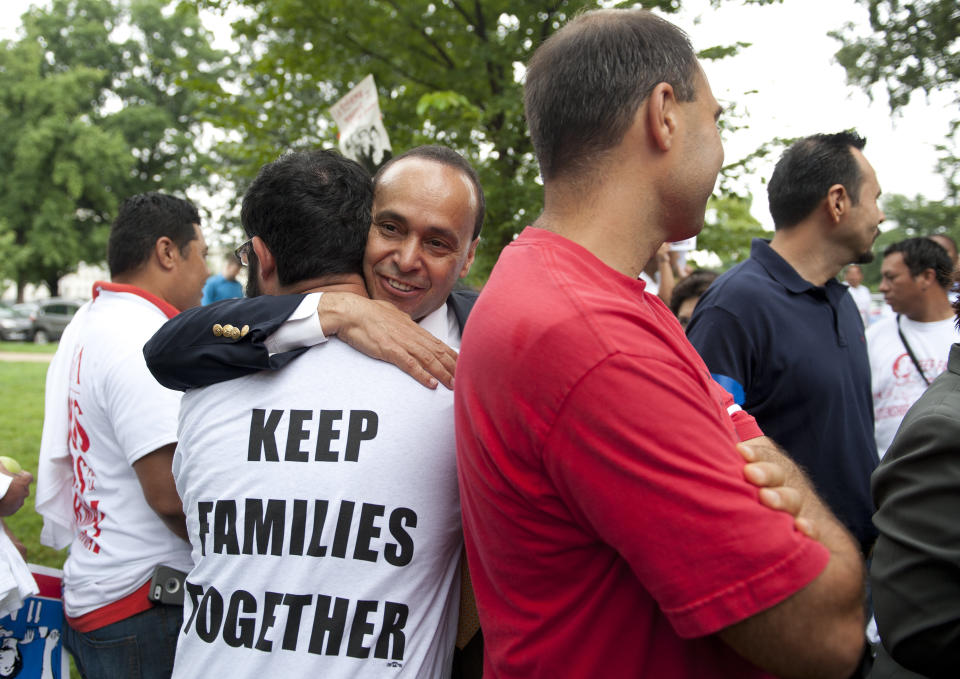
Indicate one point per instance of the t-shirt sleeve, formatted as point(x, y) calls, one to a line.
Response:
point(743, 422)
point(654, 472)
point(719, 338)
point(144, 414)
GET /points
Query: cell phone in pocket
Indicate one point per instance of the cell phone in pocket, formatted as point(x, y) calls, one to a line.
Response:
point(166, 586)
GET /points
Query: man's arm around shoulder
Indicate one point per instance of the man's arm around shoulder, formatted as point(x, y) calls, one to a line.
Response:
point(186, 352)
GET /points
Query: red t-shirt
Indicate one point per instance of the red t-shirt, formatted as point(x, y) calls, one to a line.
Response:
point(608, 525)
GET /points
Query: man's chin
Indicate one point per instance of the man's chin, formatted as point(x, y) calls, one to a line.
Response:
point(864, 258)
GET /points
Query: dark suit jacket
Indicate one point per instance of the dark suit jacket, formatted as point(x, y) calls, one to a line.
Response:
point(184, 353)
point(916, 561)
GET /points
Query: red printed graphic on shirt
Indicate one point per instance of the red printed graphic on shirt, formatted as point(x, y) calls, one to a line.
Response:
point(86, 512)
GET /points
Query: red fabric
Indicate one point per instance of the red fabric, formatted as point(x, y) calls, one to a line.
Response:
point(133, 603)
point(609, 528)
point(161, 304)
point(48, 585)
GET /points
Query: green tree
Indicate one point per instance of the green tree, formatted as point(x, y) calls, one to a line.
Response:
point(140, 75)
point(913, 47)
point(61, 170)
point(909, 218)
point(446, 72)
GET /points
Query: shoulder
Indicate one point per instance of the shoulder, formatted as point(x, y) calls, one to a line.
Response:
point(740, 288)
point(883, 327)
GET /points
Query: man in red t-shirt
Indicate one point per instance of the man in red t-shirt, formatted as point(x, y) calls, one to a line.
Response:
point(609, 526)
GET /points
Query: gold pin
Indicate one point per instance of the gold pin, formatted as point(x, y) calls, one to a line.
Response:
point(244, 330)
point(218, 330)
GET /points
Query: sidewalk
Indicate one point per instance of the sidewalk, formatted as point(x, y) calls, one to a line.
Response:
point(22, 357)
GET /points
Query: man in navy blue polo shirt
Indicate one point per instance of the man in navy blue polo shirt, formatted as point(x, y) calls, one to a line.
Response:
point(780, 333)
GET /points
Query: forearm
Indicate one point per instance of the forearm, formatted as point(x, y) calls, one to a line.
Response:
point(667, 279)
point(827, 614)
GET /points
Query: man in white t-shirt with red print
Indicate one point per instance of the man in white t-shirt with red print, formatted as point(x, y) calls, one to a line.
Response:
point(909, 349)
point(122, 434)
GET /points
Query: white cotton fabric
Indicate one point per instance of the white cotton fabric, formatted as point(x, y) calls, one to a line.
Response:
point(409, 464)
point(55, 467)
point(896, 383)
point(116, 414)
point(16, 580)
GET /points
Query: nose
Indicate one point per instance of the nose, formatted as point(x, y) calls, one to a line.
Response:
point(408, 255)
point(883, 285)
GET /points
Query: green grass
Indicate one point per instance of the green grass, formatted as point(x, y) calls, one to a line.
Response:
point(21, 421)
point(28, 347)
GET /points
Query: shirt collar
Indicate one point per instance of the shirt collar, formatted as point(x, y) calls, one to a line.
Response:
point(438, 323)
point(778, 268)
point(168, 309)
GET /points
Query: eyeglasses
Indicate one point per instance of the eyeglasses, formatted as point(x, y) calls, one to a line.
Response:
point(242, 253)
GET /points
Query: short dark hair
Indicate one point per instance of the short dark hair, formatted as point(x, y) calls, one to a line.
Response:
point(693, 285)
point(808, 169)
point(586, 82)
point(920, 254)
point(444, 156)
point(312, 210)
point(141, 221)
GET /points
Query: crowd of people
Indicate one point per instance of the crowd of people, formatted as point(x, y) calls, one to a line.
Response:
point(579, 480)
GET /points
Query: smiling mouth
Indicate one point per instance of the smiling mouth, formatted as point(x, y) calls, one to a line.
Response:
point(399, 286)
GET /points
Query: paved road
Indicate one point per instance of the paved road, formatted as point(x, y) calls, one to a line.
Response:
point(20, 357)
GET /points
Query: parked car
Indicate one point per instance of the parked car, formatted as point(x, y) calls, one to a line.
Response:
point(51, 317)
point(14, 325)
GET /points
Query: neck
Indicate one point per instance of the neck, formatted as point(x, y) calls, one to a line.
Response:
point(935, 307)
point(148, 281)
point(611, 220)
point(813, 257)
point(346, 282)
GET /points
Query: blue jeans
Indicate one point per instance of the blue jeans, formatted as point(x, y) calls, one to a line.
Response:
point(140, 647)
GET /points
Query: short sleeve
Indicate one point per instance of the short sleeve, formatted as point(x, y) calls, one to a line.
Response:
point(719, 338)
point(144, 414)
point(644, 456)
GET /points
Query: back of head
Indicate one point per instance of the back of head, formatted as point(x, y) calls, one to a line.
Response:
point(920, 254)
point(586, 82)
point(947, 243)
point(692, 286)
point(807, 170)
point(445, 156)
point(312, 210)
point(141, 221)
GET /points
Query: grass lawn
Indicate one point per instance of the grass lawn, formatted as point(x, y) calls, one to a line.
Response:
point(21, 421)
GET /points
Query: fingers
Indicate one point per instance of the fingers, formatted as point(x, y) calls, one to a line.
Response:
point(764, 474)
point(807, 527)
point(782, 499)
point(429, 362)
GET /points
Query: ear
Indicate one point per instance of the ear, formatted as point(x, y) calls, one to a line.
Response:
point(166, 253)
point(838, 202)
point(926, 278)
point(265, 258)
point(470, 255)
point(662, 115)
